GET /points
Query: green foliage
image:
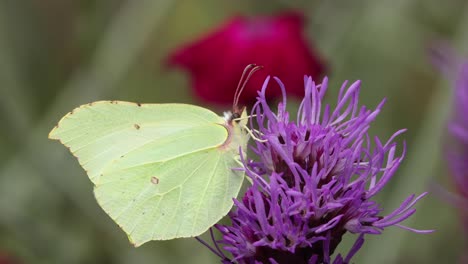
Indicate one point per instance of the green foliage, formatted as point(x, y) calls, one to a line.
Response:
point(56, 55)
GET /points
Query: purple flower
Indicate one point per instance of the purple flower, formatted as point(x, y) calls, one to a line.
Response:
point(458, 128)
point(456, 68)
point(457, 147)
point(313, 181)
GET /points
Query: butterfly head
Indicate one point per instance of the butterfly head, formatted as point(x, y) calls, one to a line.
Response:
point(236, 120)
point(238, 117)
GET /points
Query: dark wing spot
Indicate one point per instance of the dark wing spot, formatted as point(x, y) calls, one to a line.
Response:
point(136, 126)
point(154, 180)
point(138, 104)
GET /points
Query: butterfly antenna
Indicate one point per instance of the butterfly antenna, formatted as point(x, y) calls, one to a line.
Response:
point(246, 69)
point(250, 69)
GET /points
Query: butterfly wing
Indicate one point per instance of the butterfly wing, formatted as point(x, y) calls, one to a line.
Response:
point(159, 170)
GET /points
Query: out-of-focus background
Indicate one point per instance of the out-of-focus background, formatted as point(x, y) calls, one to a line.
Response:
point(56, 55)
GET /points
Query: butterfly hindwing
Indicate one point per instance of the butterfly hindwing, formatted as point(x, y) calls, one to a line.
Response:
point(152, 202)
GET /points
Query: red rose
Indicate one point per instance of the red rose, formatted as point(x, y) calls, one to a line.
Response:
point(277, 43)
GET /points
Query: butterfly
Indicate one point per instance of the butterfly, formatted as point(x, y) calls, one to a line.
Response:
point(160, 171)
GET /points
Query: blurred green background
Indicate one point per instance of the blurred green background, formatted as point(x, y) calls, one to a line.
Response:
point(58, 54)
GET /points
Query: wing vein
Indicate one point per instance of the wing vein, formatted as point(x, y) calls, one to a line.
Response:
point(197, 212)
point(174, 216)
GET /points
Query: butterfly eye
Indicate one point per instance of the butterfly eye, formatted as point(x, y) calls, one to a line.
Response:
point(236, 117)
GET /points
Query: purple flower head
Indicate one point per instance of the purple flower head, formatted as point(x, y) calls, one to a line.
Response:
point(457, 152)
point(313, 181)
point(454, 67)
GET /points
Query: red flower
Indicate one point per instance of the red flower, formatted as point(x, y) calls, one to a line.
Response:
point(216, 61)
